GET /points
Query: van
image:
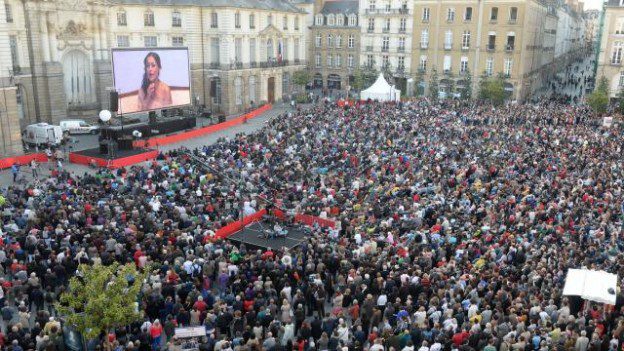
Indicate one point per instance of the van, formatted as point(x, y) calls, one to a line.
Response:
point(78, 126)
point(43, 134)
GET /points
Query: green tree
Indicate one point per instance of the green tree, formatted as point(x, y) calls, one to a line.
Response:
point(466, 92)
point(603, 85)
point(434, 89)
point(451, 87)
point(101, 298)
point(362, 79)
point(598, 100)
point(419, 81)
point(493, 90)
point(302, 78)
point(620, 97)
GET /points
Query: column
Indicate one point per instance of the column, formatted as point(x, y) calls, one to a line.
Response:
point(52, 35)
point(104, 44)
point(97, 36)
point(45, 43)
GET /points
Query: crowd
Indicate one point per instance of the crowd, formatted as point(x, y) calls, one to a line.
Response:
point(456, 225)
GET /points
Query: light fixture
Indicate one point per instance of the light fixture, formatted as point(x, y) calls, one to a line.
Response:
point(105, 116)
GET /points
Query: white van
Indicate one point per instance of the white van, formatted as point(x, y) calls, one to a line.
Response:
point(43, 134)
point(78, 126)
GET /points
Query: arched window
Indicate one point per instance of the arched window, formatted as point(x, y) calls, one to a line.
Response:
point(78, 78)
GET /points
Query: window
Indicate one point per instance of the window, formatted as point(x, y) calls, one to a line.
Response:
point(468, 14)
point(150, 41)
point(350, 61)
point(402, 24)
point(340, 20)
point(252, 21)
point(401, 63)
point(448, 40)
point(269, 20)
point(494, 14)
point(425, 14)
point(319, 20)
point(351, 41)
point(491, 41)
point(176, 19)
point(371, 5)
point(317, 40)
point(214, 20)
point(331, 20)
point(252, 50)
point(447, 63)
point(297, 49)
point(285, 23)
point(401, 44)
point(616, 57)
point(330, 40)
point(237, 20)
point(424, 38)
point(352, 21)
point(296, 23)
point(14, 56)
point(387, 26)
point(330, 60)
point(270, 51)
point(466, 40)
point(238, 50)
point(621, 83)
point(463, 65)
point(252, 89)
point(148, 19)
point(7, 11)
point(317, 59)
point(122, 19)
point(489, 66)
point(385, 61)
point(450, 14)
point(370, 61)
point(338, 61)
point(385, 43)
point(238, 90)
point(423, 63)
point(511, 41)
point(177, 41)
point(371, 24)
point(338, 42)
point(388, 6)
point(215, 57)
point(513, 14)
point(508, 65)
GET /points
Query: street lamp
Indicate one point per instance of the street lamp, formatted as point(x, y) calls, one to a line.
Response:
point(105, 117)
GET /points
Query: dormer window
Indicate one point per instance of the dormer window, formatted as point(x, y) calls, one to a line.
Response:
point(319, 20)
point(331, 20)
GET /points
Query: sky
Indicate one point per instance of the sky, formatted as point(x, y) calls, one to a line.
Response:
point(593, 4)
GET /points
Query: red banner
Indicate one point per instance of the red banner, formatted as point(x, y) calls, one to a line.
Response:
point(115, 163)
point(22, 160)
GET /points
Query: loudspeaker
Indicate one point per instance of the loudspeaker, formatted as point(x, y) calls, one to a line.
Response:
point(221, 118)
point(213, 88)
point(103, 148)
point(114, 101)
point(152, 117)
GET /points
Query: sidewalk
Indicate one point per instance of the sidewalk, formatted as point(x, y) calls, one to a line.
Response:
point(6, 177)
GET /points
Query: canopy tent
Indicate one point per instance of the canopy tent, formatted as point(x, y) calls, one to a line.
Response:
point(598, 286)
point(381, 91)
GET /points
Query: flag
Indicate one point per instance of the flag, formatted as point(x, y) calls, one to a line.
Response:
point(279, 52)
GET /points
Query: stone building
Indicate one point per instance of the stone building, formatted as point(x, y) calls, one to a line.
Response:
point(55, 55)
point(612, 47)
point(335, 44)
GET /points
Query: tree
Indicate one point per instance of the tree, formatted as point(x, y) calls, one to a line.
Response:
point(598, 100)
point(302, 78)
point(451, 85)
point(492, 90)
point(420, 82)
point(362, 79)
point(620, 97)
point(434, 90)
point(466, 92)
point(101, 298)
point(603, 85)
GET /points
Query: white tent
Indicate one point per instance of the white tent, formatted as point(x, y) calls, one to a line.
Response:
point(381, 91)
point(598, 286)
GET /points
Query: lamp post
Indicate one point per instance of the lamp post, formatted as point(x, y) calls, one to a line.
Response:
point(105, 117)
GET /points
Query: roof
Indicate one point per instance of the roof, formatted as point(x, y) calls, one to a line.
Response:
point(275, 5)
point(340, 7)
point(613, 3)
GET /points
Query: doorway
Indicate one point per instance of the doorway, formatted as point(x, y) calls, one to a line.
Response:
point(271, 90)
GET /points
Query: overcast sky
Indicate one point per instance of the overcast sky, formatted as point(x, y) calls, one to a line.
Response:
point(593, 4)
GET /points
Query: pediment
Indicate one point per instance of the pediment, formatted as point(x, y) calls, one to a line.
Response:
point(271, 31)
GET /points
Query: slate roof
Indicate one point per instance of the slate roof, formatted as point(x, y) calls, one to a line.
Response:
point(277, 5)
point(343, 7)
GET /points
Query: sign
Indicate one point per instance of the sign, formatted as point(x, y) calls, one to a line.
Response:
point(607, 122)
point(190, 332)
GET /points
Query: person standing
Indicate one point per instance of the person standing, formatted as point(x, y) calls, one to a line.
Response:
point(33, 167)
point(15, 170)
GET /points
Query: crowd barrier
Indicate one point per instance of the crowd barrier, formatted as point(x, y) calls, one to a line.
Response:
point(176, 138)
point(22, 160)
point(115, 163)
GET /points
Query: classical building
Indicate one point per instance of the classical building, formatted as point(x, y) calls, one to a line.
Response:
point(55, 60)
point(484, 38)
point(612, 46)
point(386, 27)
point(335, 47)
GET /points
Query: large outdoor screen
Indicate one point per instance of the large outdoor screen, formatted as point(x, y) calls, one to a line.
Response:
point(151, 79)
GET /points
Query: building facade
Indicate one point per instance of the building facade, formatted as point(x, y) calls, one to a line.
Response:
point(241, 54)
point(612, 47)
point(516, 38)
point(334, 51)
point(386, 27)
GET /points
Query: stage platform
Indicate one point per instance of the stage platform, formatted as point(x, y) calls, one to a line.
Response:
point(251, 236)
point(123, 158)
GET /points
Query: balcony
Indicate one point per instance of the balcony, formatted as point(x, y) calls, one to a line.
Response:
point(450, 20)
point(465, 48)
point(253, 64)
point(369, 48)
point(385, 49)
point(424, 45)
point(236, 65)
point(401, 49)
point(297, 61)
point(616, 62)
point(509, 47)
point(493, 21)
point(370, 30)
point(491, 47)
point(387, 12)
point(467, 20)
point(401, 30)
point(425, 20)
point(385, 30)
point(215, 65)
point(448, 46)
point(463, 72)
point(422, 70)
point(512, 21)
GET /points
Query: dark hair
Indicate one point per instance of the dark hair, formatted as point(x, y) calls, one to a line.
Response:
point(156, 57)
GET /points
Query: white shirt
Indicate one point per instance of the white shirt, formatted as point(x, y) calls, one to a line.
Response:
point(382, 300)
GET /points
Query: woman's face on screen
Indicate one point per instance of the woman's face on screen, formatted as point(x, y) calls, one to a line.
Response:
point(151, 68)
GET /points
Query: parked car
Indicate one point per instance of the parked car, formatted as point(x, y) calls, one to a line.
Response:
point(43, 134)
point(78, 126)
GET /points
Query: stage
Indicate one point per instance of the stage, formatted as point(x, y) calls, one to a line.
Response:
point(122, 158)
point(252, 237)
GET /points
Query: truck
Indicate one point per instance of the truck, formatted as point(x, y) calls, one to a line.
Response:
point(41, 134)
